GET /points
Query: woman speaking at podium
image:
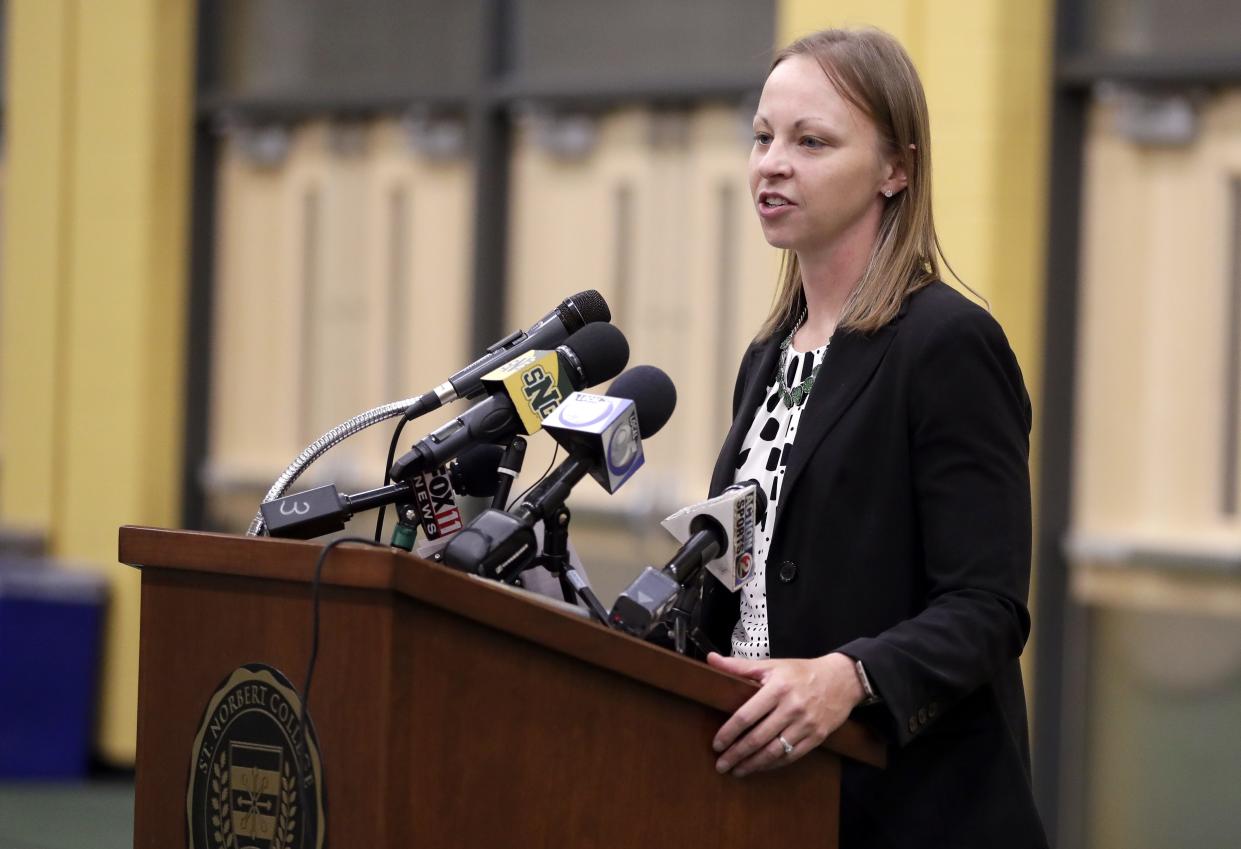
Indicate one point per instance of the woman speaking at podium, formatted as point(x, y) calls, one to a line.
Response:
point(886, 417)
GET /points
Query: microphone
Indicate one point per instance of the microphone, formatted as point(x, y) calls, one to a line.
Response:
point(570, 316)
point(603, 436)
point(324, 510)
point(526, 391)
point(475, 472)
point(718, 534)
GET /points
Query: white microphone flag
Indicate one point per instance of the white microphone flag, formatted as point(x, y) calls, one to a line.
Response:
point(735, 509)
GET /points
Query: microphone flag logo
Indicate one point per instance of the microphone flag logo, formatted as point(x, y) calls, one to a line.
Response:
point(744, 510)
point(624, 445)
point(735, 509)
point(535, 383)
point(436, 505)
point(603, 427)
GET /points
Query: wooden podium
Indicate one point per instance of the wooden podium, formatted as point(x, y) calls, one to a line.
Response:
point(453, 712)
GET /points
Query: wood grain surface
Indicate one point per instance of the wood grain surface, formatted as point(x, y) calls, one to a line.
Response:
point(454, 713)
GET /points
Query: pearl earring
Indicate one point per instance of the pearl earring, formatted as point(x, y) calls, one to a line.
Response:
point(887, 193)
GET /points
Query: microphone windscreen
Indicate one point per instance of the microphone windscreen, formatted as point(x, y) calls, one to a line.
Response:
point(474, 472)
point(601, 350)
point(652, 393)
point(585, 308)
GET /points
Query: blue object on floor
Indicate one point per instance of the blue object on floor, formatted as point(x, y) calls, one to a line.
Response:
point(49, 657)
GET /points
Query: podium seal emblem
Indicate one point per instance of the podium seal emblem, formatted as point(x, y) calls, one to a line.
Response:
point(256, 781)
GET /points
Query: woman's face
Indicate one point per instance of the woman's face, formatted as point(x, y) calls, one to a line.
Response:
point(816, 171)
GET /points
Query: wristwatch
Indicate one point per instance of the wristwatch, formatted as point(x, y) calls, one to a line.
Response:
point(864, 679)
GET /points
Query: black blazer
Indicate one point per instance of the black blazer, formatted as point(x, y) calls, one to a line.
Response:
point(903, 539)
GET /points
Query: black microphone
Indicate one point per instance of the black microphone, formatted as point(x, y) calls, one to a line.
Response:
point(527, 391)
point(324, 510)
point(654, 398)
point(497, 544)
point(433, 498)
point(570, 316)
point(717, 534)
point(507, 470)
point(477, 472)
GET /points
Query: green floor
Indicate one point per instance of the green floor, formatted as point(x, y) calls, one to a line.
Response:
point(95, 814)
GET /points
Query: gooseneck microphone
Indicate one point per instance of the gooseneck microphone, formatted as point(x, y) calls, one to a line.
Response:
point(570, 316)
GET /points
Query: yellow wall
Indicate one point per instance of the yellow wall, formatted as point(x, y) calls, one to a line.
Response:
point(565, 222)
point(98, 117)
point(985, 65)
point(354, 260)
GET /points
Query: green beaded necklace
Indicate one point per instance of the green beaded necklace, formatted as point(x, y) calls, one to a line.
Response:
point(793, 397)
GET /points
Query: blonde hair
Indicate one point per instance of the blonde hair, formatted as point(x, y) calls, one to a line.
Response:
point(873, 72)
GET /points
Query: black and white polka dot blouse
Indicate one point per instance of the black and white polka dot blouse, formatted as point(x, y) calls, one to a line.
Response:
point(763, 457)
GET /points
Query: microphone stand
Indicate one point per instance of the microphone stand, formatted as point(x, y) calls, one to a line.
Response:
point(324, 510)
point(677, 619)
point(406, 531)
point(508, 470)
point(682, 615)
point(555, 559)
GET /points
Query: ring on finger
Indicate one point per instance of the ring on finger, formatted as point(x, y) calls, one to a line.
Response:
point(786, 745)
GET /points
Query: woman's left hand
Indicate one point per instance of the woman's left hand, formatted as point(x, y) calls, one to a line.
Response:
point(800, 700)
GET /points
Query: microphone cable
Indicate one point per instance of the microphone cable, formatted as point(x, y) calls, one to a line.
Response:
point(315, 584)
point(396, 438)
point(546, 472)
